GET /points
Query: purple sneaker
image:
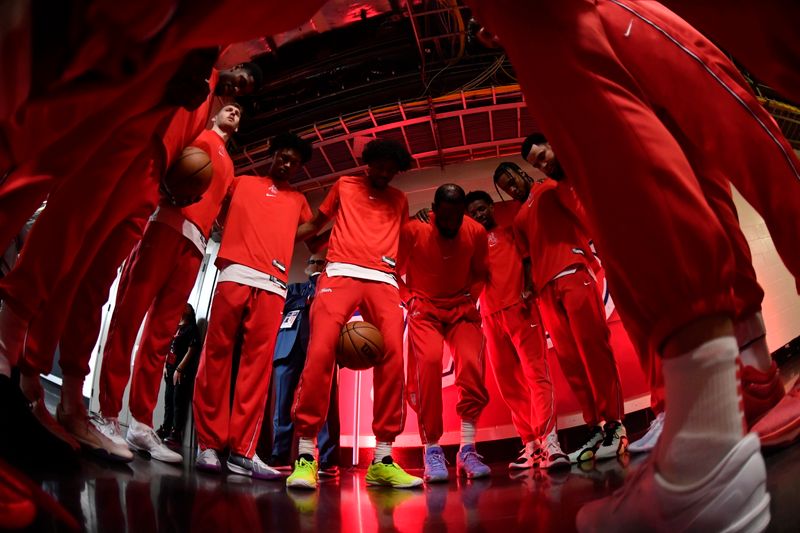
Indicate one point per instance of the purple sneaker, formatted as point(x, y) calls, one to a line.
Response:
point(469, 463)
point(435, 465)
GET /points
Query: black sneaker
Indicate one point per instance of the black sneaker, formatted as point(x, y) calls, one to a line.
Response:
point(328, 470)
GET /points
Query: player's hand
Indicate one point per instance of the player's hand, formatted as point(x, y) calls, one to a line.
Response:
point(166, 374)
point(423, 215)
point(176, 376)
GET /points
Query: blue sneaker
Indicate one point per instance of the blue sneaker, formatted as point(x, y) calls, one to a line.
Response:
point(435, 465)
point(469, 463)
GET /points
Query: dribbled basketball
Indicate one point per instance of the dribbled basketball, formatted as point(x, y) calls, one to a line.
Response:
point(190, 174)
point(360, 346)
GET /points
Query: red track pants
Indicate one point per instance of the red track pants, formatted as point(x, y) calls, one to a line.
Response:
point(59, 241)
point(518, 355)
point(336, 300)
point(76, 331)
point(670, 259)
point(576, 320)
point(157, 280)
point(429, 329)
point(748, 147)
point(256, 315)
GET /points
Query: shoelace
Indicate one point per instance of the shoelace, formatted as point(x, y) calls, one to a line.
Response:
point(552, 448)
point(471, 458)
point(437, 460)
point(153, 438)
point(112, 426)
point(302, 463)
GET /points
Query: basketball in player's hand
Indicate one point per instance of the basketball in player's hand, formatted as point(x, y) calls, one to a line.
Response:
point(360, 346)
point(188, 177)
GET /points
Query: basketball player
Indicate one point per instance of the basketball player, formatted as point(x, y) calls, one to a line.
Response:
point(157, 279)
point(445, 267)
point(367, 216)
point(667, 229)
point(516, 343)
point(254, 257)
point(119, 227)
point(557, 266)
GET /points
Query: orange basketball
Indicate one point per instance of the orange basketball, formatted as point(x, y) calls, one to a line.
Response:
point(190, 174)
point(360, 346)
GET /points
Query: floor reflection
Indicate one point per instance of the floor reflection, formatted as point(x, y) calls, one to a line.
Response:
point(148, 496)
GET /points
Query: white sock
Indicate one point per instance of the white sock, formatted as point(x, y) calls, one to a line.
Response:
point(704, 420)
point(5, 366)
point(751, 335)
point(306, 447)
point(467, 433)
point(382, 449)
point(430, 445)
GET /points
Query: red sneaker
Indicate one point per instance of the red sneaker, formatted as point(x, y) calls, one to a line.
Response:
point(781, 425)
point(761, 392)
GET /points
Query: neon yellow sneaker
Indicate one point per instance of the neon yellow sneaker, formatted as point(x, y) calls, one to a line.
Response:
point(304, 475)
point(387, 473)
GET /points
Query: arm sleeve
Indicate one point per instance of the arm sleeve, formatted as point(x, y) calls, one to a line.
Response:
point(331, 202)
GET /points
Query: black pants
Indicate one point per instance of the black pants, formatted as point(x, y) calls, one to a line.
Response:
point(177, 399)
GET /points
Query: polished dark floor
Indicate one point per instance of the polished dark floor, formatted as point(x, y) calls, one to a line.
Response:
point(149, 496)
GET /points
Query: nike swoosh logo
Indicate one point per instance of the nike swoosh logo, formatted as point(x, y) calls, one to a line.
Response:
point(628, 31)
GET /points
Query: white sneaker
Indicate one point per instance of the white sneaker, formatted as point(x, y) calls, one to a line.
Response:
point(143, 438)
point(731, 498)
point(528, 456)
point(615, 441)
point(586, 452)
point(208, 460)
point(109, 427)
point(649, 439)
point(86, 433)
point(552, 456)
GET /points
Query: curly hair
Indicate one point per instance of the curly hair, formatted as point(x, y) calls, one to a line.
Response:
point(382, 149)
point(290, 140)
